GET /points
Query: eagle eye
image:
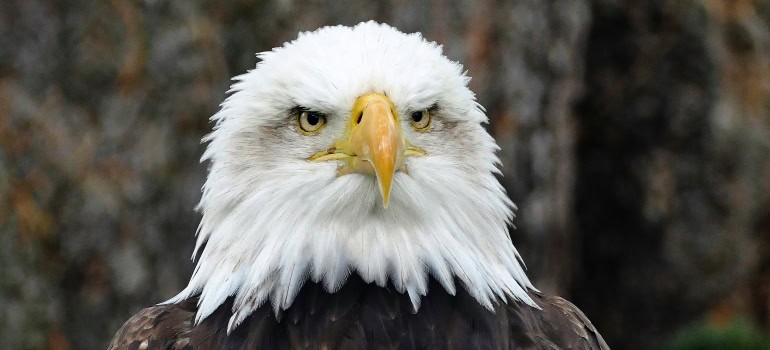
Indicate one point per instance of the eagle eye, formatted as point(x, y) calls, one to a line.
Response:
point(421, 120)
point(310, 122)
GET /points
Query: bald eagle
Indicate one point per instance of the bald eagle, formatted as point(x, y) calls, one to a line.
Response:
point(351, 202)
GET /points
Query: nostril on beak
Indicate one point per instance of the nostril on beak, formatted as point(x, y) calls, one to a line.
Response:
point(360, 116)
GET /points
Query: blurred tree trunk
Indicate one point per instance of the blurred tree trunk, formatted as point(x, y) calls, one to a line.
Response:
point(634, 138)
point(673, 163)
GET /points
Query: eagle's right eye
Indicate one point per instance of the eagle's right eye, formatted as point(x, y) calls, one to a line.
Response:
point(310, 122)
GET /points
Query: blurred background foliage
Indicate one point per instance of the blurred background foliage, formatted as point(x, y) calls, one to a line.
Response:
point(737, 335)
point(635, 139)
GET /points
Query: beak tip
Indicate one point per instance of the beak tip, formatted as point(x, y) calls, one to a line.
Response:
point(385, 193)
point(384, 182)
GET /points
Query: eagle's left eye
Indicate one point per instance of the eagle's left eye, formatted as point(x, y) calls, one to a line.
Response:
point(310, 122)
point(421, 120)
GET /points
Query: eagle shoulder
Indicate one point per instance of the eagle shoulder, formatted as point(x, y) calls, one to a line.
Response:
point(157, 327)
point(558, 325)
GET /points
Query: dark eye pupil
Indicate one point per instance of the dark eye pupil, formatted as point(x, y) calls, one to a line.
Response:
point(416, 117)
point(313, 119)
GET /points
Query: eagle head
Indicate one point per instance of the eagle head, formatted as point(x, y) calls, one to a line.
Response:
point(352, 150)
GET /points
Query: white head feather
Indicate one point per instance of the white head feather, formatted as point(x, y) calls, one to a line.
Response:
point(272, 219)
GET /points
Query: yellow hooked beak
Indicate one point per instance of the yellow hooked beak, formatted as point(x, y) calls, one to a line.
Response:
point(372, 143)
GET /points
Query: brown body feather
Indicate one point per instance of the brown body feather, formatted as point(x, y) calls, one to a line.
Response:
point(365, 316)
